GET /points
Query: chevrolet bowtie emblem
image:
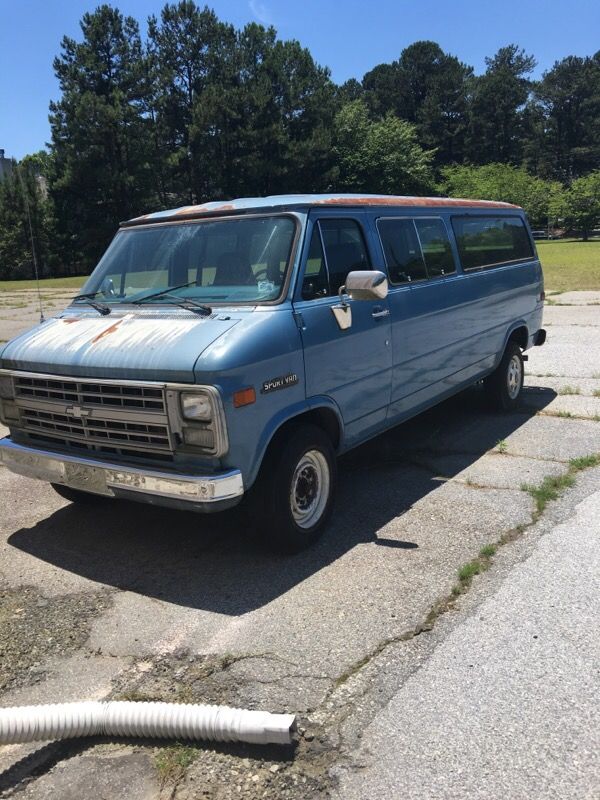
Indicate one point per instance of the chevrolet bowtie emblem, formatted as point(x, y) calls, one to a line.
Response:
point(77, 411)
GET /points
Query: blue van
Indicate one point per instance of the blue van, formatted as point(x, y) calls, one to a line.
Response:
point(229, 351)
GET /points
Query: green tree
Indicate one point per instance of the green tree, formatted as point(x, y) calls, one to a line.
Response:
point(506, 183)
point(379, 156)
point(191, 55)
point(102, 169)
point(429, 88)
point(23, 196)
point(497, 127)
point(268, 128)
point(238, 112)
point(580, 204)
point(564, 141)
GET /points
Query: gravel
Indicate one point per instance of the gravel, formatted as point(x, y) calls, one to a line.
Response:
point(34, 628)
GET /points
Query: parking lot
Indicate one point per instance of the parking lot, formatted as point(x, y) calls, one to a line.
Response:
point(129, 601)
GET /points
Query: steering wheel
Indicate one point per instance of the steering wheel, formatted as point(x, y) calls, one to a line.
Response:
point(262, 274)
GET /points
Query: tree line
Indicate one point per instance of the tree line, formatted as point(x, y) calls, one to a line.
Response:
point(199, 110)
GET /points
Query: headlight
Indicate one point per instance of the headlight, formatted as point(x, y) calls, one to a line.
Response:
point(195, 405)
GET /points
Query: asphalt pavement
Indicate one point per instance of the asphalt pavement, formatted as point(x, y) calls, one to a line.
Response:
point(129, 601)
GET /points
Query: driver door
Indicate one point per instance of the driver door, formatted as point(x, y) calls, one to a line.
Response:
point(353, 366)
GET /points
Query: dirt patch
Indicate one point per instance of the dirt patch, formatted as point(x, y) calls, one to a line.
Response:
point(223, 771)
point(34, 628)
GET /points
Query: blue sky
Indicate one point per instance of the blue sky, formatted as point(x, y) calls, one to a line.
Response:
point(349, 36)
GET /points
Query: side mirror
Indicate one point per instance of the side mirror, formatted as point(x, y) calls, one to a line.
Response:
point(365, 285)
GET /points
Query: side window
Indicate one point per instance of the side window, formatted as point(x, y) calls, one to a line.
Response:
point(345, 250)
point(316, 282)
point(402, 251)
point(435, 247)
point(489, 241)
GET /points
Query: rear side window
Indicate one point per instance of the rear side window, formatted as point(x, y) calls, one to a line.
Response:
point(491, 241)
point(415, 249)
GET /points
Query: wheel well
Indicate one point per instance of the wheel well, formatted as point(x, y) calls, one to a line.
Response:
point(520, 336)
point(323, 418)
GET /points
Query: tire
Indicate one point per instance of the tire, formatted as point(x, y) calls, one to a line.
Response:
point(293, 498)
point(504, 385)
point(77, 496)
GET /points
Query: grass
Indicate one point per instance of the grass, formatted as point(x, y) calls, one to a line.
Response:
point(553, 485)
point(569, 390)
point(502, 446)
point(475, 567)
point(584, 462)
point(570, 265)
point(72, 282)
point(172, 762)
point(549, 489)
point(596, 392)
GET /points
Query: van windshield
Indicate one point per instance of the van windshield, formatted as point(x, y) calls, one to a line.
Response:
point(226, 261)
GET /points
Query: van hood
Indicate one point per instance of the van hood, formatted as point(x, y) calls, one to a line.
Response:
point(139, 345)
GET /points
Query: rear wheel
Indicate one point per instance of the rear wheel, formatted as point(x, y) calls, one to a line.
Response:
point(294, 496)
point(504, 385)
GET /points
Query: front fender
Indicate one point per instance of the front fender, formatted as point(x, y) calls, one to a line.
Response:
point(283, 416)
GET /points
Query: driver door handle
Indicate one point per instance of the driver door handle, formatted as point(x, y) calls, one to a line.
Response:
point(379, 312)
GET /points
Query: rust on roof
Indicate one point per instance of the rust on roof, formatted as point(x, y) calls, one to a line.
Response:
point(203, 209)
point(263, 204)
point(412, 202)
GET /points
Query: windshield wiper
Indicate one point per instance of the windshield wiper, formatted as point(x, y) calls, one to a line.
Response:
point(184, 302)
point(101, 308)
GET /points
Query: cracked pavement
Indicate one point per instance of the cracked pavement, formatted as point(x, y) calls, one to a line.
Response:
point(186, 608)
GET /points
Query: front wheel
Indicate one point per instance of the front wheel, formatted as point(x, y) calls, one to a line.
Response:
point(296, 489)
point(504, 385)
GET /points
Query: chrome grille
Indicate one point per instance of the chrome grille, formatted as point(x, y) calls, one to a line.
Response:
point(99, 395)
point(95, 415)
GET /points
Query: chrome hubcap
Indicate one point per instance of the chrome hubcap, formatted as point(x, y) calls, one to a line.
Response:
point(310, 489)
point(513, 377)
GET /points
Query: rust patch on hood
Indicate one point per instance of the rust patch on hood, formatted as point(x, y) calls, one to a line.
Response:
point(70, 320)
point(107, 331)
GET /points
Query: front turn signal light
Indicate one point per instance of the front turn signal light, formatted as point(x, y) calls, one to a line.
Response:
point(244, 397)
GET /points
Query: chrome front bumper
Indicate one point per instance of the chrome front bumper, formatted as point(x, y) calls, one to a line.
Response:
point(203, 492)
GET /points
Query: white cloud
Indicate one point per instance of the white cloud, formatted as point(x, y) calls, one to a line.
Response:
point(261, 12)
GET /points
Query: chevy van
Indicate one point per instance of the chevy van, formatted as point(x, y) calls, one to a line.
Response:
point(229, 351)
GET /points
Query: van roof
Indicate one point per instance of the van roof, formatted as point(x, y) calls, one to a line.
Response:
point(290, 201)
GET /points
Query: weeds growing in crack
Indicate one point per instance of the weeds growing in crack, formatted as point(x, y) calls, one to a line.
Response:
point(584, 462)
point(172, 762)
point(465, 577)
point(549, 489)
point(553, 485)
point(478, 565)
point(569, 390)
point(502, 446)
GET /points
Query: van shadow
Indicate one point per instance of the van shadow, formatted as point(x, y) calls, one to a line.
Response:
point(211, 563)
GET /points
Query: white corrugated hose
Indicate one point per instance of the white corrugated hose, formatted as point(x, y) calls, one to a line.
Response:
point(155, 720)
